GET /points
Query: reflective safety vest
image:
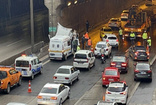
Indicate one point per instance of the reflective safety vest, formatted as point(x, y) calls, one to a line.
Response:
point(132, 35)
point(149, 42)
point(120, 32)
point(86, 36)
point(78, 48)
point(144, 35)
point(89, 42)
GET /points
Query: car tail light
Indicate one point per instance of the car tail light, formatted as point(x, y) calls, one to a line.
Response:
point(106, 49)
point(117, 40)
point(39, 97)
point(149, 71)
point(87, 60)
point(147, 53)
point(54, 98)
point(136, 71)
point(139, 30)
point(2, 82)
point(104, 78)
point(123, 64)
point(54, 77)
point(124, 93)
point(107, 92)
point(29, 66)
point(122, 14)
point(66, 78)
point(113, 64)
point(107, 40)
point(136, 53)
point(118, 79)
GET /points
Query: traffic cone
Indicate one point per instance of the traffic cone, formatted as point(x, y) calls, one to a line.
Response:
point(103, 97)
point(29, 87)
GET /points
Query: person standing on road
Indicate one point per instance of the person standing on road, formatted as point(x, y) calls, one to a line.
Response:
point(144, 37)
point(86, 36)
point(132, 37)
point(74, 45)
point(149, 43)
point(89, 44)
point(83, 41)
point(120, 33)
point(87, 26)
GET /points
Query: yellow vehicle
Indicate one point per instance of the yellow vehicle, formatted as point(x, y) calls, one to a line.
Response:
point(105, 30)
point(9, 77)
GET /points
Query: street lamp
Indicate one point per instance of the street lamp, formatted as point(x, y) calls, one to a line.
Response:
point(32, 25)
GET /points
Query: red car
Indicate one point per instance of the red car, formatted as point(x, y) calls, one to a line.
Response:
point(110, 74)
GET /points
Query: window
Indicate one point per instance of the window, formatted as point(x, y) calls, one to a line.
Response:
point(89, 55)
point(116, 89)
point(12, 71)
point(63, 71)
point(34, 62)
point(3, 74)
point(80, 56)
point(22, 63)
point(111, 72)
point(69, 43)
point(72, 70)
point(58, 45)
point(37, 61)
point(49, 90)
point(53, 45)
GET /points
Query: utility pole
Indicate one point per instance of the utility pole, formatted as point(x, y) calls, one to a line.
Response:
point(32, 25)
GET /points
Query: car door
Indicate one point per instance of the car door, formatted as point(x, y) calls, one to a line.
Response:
point(72, 74)
point(12, 77)
point(89, 58)
point(38, 65)
point(34, 66)
point(92, 58)
point(63, 92)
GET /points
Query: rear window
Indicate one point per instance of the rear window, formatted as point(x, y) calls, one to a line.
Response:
point(3, 74)
point(111, 37)
point(100, 45)
point(22, 64)
point(49, 90)
point(111, 72)
point(142, 67)
point(63, 71)
point(118, 59)
point(142, 53)
point(80, 56)
point(108, 30)
point(116, 89)
point(113, 20)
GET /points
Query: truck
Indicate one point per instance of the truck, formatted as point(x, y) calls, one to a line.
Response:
point(138, 21)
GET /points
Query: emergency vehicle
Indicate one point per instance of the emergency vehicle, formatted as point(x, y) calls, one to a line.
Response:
point(28, 65)
point(60, 46)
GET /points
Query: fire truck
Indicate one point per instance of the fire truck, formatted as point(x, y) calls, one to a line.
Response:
point(138, 21)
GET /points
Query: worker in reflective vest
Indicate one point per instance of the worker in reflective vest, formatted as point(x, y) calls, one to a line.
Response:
point(86, 36)
point(149, 43)
point(132, 37)
point(89, 43)
point(120, 34)
point(144, 37)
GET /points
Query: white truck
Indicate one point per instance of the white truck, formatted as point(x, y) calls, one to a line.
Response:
point(60, 46)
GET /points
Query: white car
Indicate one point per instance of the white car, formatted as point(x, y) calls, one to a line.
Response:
point(111, 39)
point(117, 92)
point(107, 48)
point(124, 14)
point(84, 59)
point(16, 103)
point(53, 94)
point(114, 22)
point(106, 103)
point(66, 74)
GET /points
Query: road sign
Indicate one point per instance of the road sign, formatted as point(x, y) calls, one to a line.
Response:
point(52, 29)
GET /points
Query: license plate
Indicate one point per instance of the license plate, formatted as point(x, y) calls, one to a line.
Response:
point(46, 99)
point(142, 55)
point(111, 79)
point(115, 100)
point(143, 72)
point(118, 65)
point(24, 72)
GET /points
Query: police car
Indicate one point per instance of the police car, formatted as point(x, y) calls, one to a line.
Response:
point(28, 65)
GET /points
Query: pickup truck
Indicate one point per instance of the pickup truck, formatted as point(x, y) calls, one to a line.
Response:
point(9, 77)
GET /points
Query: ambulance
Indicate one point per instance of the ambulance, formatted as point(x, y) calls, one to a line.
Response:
point(60, 46)
point(28, 65)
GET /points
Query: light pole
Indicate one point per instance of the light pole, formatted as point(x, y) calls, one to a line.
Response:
point(32, 25)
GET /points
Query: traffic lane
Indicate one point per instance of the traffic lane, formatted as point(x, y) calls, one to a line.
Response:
point(97, 92)
point(144, 92)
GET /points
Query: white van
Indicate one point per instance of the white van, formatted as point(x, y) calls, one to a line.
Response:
point(28, 65)
point(60, 48)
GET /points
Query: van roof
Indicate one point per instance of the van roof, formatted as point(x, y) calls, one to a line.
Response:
point(60, 38)
point(27, 58)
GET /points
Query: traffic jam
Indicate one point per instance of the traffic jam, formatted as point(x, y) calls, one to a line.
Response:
point(62, 47)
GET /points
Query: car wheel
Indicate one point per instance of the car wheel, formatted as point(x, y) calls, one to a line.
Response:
point(60, 103)
point(19, 81)
point(68, 95)
point(41, 70)
point(64, 57)
point(8, 89)
point(32, 76)
point(77, 78)
point(135, 79)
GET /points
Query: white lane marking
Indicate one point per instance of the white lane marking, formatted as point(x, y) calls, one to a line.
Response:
point(152, 61)
point(133, 91)
point(14, 43)
point(46, 62)
point(44, 57)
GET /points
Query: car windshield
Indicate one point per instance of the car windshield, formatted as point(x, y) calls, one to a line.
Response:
point(63, 71)
point(3, 74)
point(143, 67)
point(49, 90)
point(113, 20)
point(111, 72)
point(116, 89)
point(100, 45)
point(111, 37)
point(22, 63)
point(118, 59)
point(80, 56)
point(108, 30)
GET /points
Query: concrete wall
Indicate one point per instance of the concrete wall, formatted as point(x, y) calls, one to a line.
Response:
point(95, 11)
